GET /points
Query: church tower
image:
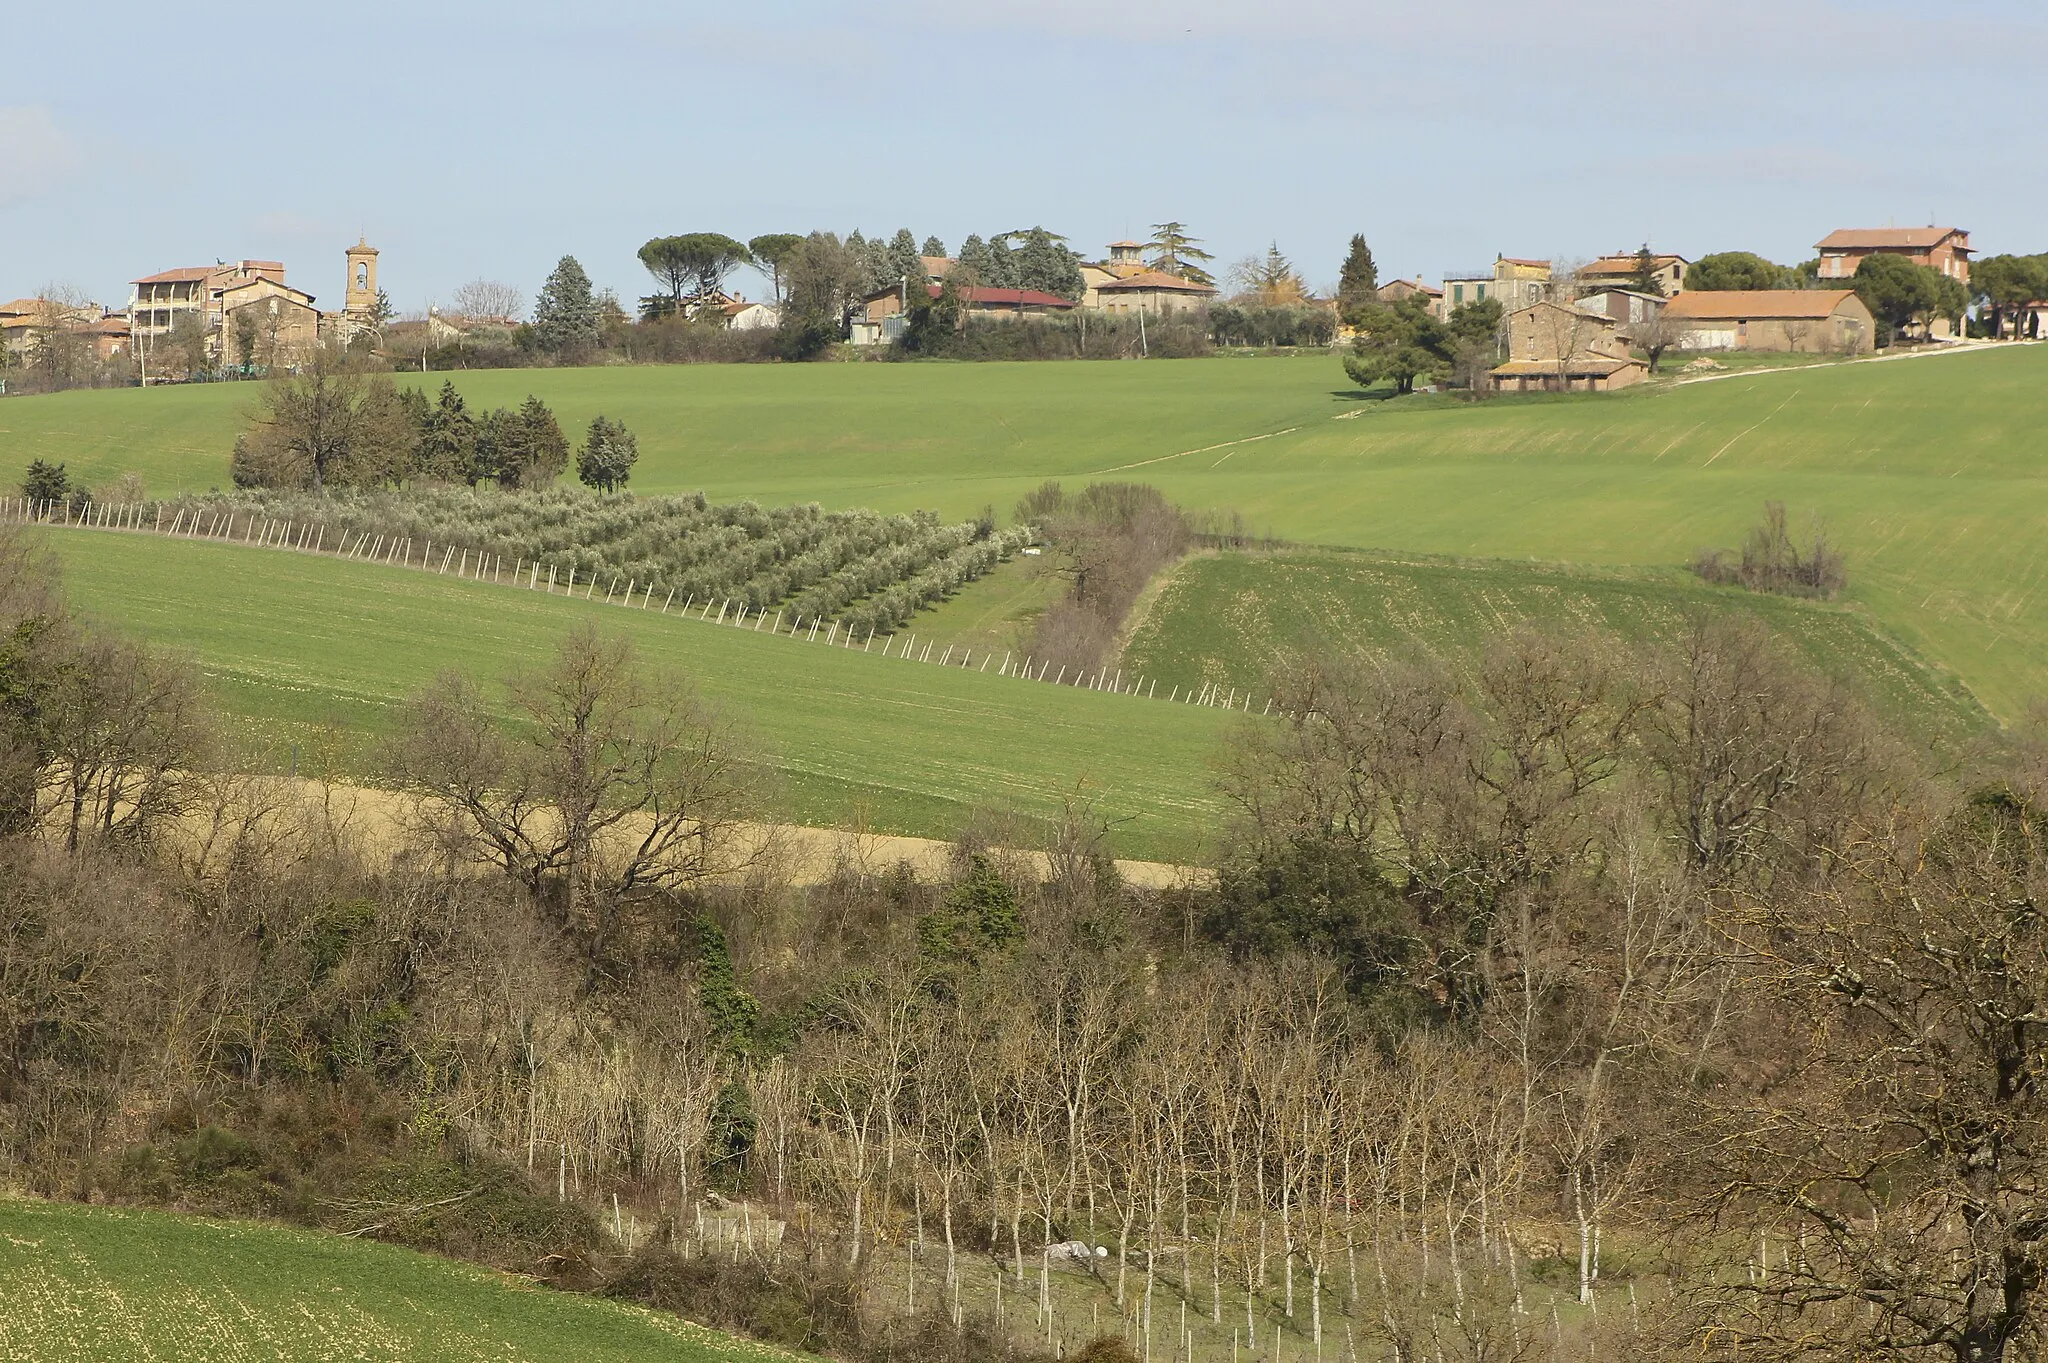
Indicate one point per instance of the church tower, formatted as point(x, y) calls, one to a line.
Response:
point(360, 298)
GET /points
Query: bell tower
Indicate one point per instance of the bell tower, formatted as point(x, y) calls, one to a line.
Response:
point(360, 297)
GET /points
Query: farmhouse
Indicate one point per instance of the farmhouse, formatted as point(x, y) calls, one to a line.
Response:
point(1560, 348)
point(1153, 291)
point(1806, 321)
point(1946, 249)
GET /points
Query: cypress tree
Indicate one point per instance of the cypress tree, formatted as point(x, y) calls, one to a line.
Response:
point(1358, 285)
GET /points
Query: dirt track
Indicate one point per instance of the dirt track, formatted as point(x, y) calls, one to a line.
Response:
point(373, 820)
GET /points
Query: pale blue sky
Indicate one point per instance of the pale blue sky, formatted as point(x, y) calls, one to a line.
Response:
point(489, 137)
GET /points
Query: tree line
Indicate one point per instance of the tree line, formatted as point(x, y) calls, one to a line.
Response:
point(338, 422)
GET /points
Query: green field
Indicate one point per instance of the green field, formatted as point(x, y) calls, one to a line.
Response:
point(314, 653)
point(1929, 471)
point(119, 1286)
point(1227, 619)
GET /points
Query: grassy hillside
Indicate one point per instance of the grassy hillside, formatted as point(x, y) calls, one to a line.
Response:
point(1927, 470)
point(317, 653)
point(122, 1286)
point(1226, 619)
point(880, 435)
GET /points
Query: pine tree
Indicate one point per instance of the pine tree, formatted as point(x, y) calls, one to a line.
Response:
point(1358, 285)
point(1044, 263)
point(934, 247)
point(565, 314)
point(1002, 273)
point(977, 261)
point(904, 261)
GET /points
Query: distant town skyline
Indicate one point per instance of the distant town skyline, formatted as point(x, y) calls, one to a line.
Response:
point(471, 140)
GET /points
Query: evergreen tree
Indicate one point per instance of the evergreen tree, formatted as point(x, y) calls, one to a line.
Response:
point(1359, 283)
point(1735, 270)
point(46, 482)
point(904, 260)
point(1044, 263)
point(1002, 270)
point(933, 247)
point(1399, 343)
point(609, 453)
point(1174, 252)
point(545, 448)
point(979, 920)
point(565, 313)
point(977, 260)
point(445, 448)
point(774, 250)
point(1644, 278)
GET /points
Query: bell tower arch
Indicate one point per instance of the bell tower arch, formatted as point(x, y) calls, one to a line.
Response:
point(359, 299)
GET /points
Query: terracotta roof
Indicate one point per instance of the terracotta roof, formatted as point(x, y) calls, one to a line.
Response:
point(1028, 298)
point(1134, 245)
point(1895, 238)
point(191, 274)
point(1748, 304)
point(256, 281)
point(1537, 264)
point(938, 266)
point(1601, 367)
point(1415, 284)
point(1155, 279)
point(1627, 264)
point(19, 307)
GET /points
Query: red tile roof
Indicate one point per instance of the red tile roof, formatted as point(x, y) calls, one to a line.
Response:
point(1754, 304)
point(1882, 238)
point(1154, 279)
point(190, 274)
point(1535, 264)
point(1015, 298)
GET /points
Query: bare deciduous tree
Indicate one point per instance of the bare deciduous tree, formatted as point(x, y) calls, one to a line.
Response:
point(607, 783)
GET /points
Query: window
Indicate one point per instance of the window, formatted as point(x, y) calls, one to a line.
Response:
point(1481, 295)
point(1457, 293)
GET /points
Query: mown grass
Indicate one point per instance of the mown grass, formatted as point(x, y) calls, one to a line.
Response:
point(1231, 619)
point(121, 1286)
point(312, 658)
point(1928, 471)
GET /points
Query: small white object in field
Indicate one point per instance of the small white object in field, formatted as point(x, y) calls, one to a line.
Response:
point(1033, 550)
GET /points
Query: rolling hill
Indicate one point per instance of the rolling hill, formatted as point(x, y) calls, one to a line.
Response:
point(311, 656)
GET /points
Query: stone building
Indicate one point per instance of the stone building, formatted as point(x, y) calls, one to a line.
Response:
point(1563, 348)
point(1810, 321)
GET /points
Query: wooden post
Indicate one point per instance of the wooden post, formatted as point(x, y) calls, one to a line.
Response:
point(665, 603)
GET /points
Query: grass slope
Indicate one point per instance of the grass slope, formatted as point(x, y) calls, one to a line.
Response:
point(122, 1286)
point(887, 436)
point(318, 653)
point(1226, 619)
point(1929, 471)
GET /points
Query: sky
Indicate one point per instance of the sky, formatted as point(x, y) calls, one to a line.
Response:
point(487, 138)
